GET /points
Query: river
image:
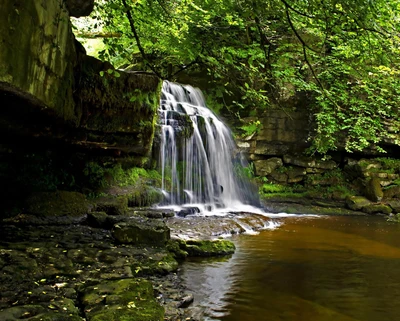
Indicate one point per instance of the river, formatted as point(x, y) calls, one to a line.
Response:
point(307, 269)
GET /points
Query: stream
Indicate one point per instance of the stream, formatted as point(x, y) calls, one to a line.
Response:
point(308, 268)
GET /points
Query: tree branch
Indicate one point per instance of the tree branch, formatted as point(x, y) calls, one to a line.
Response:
point(135, 34)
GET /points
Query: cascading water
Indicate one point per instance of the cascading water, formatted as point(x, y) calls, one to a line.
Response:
point(196, 156)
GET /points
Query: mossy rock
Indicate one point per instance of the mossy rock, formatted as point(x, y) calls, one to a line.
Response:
point(142, 231)
point(356, 203)
point(59, 203)
point(122, 300)
point(160, 264)
point(112, 205)
point(144, 196)
point(38, 313)
point(377, 208)
point(374, 190)
point(395, 205)
point(208, 248)
point(97, 219)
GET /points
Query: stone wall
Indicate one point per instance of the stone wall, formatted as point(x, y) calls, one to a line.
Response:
point(281, 132)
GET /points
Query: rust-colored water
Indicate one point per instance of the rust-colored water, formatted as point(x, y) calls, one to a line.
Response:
point(308, 269)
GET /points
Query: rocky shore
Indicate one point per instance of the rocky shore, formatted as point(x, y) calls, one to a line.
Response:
point(78, 265)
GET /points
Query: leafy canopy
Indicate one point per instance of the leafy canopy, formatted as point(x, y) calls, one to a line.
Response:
point(339, 56)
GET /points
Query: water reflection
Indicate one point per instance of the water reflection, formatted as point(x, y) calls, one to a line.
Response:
point(319, 269)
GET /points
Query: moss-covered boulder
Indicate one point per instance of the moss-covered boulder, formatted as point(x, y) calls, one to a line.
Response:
point(142, 231)
point(373, 190)
point(377, 208)
point(158, 264)
point(208, 247)
point(122, 300)
point(356, 203)
point(112, 205)
point(59, 203)
point(97, 219)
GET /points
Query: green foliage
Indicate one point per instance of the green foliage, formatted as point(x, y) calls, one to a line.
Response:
point(341, 57)
point(275, 188)
point(251, 128)
point(102, 176)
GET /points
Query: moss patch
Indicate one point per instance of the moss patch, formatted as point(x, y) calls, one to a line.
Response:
point(60, 203)
point(208, 248)
point(123, 300)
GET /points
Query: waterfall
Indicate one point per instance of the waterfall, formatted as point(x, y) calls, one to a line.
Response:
point(199, 170)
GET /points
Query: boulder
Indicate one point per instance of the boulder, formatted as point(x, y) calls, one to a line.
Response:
point(266, 167)
point(112, 205)
point(356, 203)
point(377, 208)
point(80, 8)
point(373, 190)
point(141, 231)
point(208, 247)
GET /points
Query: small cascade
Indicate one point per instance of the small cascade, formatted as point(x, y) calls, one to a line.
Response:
point(199, 169)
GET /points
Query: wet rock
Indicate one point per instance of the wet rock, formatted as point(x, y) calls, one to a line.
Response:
point(208, 247)
point(97, 219)
point(112, 205)
point(59, 203)
point(128, 299)
point(356, 203)
point(159, 263)
point(377, 208)
point(141, 231)
point(188, 211)
point(374, 190)
point(80, 8)
point(186, 301)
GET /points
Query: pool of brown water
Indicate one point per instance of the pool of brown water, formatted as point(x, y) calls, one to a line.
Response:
point(307, 269)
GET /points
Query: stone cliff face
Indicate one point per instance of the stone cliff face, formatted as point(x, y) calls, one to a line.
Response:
point(50, 89)
point(37, 56)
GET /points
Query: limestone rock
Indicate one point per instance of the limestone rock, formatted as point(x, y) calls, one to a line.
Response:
point(377, 208)
point(392, 192)
point(356, 203)
point(80, 8)
point(140, 231)
point(309, 162)
point(112, 205)
point(395, 205)
point(374, 190)
point(37, 55)
point(208, 248)
point(266, 167)
point(296, 174)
